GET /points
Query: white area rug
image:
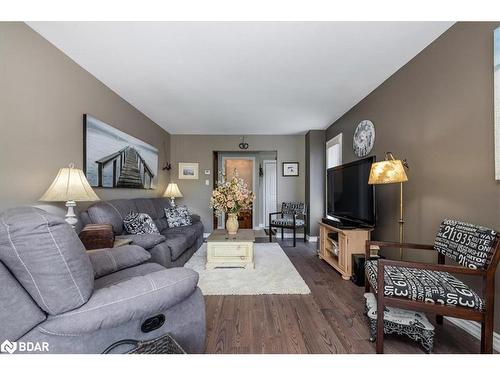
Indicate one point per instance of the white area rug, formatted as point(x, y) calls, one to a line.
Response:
point(273, 274)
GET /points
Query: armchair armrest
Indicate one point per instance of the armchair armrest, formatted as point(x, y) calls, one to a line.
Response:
point(382, 244)
point(275, 213)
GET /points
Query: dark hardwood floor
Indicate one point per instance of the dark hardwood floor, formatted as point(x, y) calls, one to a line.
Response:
point(329, 320)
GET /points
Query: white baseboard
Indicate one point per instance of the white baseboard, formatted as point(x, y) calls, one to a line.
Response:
point(474, 329)
point(312, 238)
point(205, 235)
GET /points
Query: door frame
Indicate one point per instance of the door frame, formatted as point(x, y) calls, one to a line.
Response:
point(223, 167)
point(264, 192)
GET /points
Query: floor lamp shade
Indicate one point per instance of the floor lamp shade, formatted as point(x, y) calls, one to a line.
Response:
point(70, 186)
point(387, 172)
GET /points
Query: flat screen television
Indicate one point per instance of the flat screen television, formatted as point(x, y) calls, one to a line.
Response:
point(350, 199)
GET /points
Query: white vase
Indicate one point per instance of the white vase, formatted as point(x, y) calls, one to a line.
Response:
point(232, 224)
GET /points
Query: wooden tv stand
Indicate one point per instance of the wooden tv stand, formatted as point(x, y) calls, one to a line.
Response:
point(350, 241)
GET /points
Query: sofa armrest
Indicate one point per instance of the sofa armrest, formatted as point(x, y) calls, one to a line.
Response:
point(137, 298)
point(195, 218)
point(106, 261)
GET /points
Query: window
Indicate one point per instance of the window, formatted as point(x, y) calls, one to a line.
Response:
point(334, 151)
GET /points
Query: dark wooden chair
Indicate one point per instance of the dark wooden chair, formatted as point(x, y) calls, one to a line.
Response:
point(417, 286)
point(292, 216)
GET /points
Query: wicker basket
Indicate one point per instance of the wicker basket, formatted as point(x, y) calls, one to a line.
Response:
point(162, 345)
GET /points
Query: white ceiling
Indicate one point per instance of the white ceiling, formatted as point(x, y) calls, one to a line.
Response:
point(241, 78)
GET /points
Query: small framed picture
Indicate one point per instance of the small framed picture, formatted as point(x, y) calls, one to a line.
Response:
point(188, 171)
point(290, 168)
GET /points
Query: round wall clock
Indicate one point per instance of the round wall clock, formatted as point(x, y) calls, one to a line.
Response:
point(364, 138)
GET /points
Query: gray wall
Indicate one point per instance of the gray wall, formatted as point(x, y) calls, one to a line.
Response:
point(43, 96)
point(437, 111)
point(199, 149)
point(315, 179)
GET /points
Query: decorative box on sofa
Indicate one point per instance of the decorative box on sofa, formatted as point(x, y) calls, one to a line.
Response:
point(54, 293)
point(173, 247)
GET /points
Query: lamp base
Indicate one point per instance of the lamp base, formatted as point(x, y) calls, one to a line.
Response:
point(172, 201)
point(71, 218)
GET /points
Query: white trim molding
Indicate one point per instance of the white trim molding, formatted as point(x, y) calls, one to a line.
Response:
point(312, 238)
point(474, 329)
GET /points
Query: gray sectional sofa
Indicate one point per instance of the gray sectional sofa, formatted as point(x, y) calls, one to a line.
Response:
point(172, 248)
point(54, 292)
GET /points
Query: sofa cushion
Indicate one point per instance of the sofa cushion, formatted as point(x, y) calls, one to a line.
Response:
point(424, 285)
point(467, 244)
point(111, 212)
point(18, 312)
point(48, 259)
point(178, 244)
point(146, 241)
point(106, 261)
point(177, 216)
point(139, 223)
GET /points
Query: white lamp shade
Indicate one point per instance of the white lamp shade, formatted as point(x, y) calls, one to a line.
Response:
point(70, 184)
point(172, 191)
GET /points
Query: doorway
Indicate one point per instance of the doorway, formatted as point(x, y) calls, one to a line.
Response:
point(252, 166)
point(244, 166)
point(269, 189)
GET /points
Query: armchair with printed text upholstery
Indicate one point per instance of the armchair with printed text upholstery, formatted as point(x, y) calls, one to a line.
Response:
point(433, 288)
point(292, 216)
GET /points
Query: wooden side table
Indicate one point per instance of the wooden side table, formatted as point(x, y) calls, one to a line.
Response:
point(224, 250)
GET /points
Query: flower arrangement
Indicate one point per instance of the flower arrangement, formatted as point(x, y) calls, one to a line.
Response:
point(231, 196)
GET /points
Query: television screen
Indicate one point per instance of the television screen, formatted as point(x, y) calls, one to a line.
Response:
point(349, 197)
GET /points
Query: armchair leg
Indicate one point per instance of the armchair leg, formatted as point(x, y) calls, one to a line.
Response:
point(282, 234)
point(294, 237)
point(380, 326)
point(439, 320)
point(270, 234)
point(487, 334)
point(304, 234)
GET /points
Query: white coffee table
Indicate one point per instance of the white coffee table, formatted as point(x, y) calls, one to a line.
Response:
point(224, 250)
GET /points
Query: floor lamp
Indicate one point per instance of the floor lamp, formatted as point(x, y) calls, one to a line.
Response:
point(391, 171)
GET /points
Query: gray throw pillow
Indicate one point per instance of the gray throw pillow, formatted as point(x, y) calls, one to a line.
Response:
point(106, 261)
point(178, 216)
point(139, 223)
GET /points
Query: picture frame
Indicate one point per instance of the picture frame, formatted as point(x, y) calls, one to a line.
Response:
point(290, 168)
point(188, 171)
point(108, 152)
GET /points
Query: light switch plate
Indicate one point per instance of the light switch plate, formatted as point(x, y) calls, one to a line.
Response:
point(207, 182)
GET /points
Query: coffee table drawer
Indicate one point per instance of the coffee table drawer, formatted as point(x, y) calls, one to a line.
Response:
point(230, 250)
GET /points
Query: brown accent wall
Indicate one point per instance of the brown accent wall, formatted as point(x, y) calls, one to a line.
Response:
point(43, 96)
point(436, 111)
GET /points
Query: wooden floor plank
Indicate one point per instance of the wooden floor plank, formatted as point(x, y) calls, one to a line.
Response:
point(329, 320)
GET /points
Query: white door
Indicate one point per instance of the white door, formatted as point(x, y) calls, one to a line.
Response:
point(270, 200)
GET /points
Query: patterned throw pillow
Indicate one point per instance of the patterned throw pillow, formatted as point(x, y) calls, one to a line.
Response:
point(178, 216)
point(138, 223)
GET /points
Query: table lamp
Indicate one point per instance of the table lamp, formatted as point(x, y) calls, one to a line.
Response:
point(172, 192)
point(70, 186)
point(391, 171)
